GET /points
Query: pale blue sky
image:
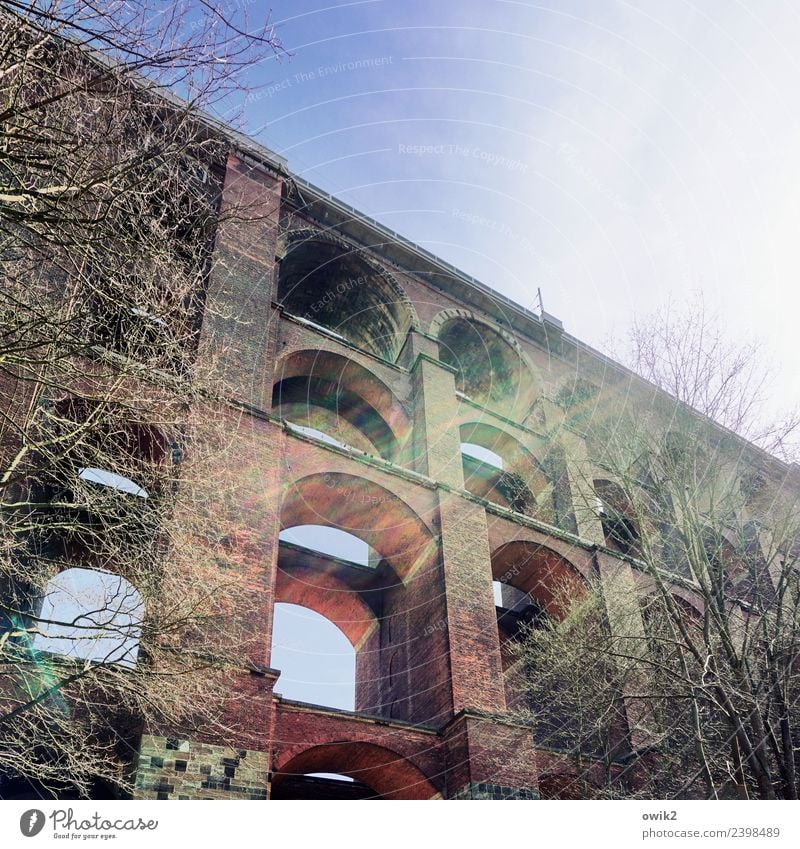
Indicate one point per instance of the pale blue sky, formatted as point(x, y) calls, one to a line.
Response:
point(607, 152)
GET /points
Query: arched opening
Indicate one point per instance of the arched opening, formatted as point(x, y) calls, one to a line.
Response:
point(533, 584)
point(144, 320)
point(316, 660)
point(620, 528)
point(516, 612)
point(737, 567)
point(90, 615)
point(319, 786)
point(96, 480)
point(547, 578)
point(366, 510)
point(683, 455)
point(112, 480)
point(383, 773)
point(340, 290)
point(498, 468)
point(347, 549)
point(341, 402)
point(100, 484)
point(680, 634)
point(482, 455)
point(489, 370)
point(332, 542)
point(342, 579)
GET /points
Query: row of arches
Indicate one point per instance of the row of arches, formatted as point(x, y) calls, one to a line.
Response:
point(336, 400)
point(332, 285)
point(361, 770)
point(94, 501)
point(371, 568)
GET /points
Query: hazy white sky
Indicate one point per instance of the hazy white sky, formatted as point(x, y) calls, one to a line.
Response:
point(611, 153)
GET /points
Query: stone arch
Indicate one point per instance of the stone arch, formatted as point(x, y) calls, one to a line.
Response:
point(368, 511)
point(105, 487)
point(522, 485)
point(319, 588)
point(388, 774)
point(361, 599)
point(547, 577)
point(338, 285)
point(742, 563)
point(336, 395)
point(91, 614)
point(491, 366)
point(350, 596)
point(537, 584)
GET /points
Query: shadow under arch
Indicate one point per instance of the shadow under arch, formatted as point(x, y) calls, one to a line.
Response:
point(338, 396)
point(617, 517)
point(103, 476)
point(313, 581)
point(341, 287)
point(491, 367)
point(388, 774)
point(92, 428)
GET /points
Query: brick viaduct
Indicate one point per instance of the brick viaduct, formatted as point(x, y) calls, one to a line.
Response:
point(351, 331)
point(325, 324)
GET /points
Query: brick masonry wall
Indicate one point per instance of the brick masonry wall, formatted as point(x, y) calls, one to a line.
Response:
point(490, 753)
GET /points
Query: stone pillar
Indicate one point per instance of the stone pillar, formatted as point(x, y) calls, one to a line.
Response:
point(629, 641)
point(201, 762)
point(489, 759)
point(437, 443)
point(581, 489)
point(475, 665)
point(238, 342)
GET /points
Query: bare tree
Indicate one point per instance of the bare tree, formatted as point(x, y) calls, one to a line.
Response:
point(709, 524)
point(686, 352)
point(109, 204)
point(573, 692)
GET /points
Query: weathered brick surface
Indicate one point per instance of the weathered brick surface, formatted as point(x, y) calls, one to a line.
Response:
point(490, 752)
point(425, 632)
